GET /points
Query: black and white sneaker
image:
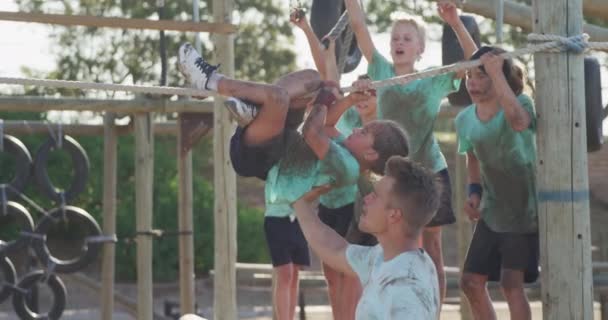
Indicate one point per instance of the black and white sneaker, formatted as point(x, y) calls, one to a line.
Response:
point(242, 112)
point(194, 67)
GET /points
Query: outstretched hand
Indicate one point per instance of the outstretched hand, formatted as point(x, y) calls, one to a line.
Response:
point(448, 12)
point(298, 17)
point(493, 63)
point(315, 193)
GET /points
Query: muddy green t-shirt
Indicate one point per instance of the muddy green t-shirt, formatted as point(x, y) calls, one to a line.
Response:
point(339, 197)
point(507, 161)
point(298, 172)
point(415, 107)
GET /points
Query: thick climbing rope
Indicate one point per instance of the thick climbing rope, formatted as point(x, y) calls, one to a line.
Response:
point(550, 43)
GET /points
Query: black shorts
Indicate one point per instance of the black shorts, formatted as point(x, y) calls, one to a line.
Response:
point(490, 252)
point(338, 219)
point(445, 213)
point(253, 161)
point(286, 242)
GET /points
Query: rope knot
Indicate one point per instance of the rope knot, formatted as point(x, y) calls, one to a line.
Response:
point(576, 44)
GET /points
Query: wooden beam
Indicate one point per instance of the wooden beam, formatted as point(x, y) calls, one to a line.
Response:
point(224, 302)
point(520, 15)
point(16, 127)
point(42, 104)
point(109, 216)
point(596, 9)
point(185, 222)
point(464, 231)
point(144, 179)
point(119, 23)
point(562, 181)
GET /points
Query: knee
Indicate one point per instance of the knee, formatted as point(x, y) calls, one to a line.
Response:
point(284, 274)
point(471, 286)
point(511, 287)
point(278, 96)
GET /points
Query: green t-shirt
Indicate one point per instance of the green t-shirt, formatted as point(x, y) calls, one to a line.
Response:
point(288, 181)
point(415, 107)
point(339, 197)
point(507, 161)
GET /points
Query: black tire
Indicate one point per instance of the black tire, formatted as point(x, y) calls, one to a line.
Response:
point(451, 52)
point(323, 17)
point(59, 297)
point(89, 250)
point(23, 218)
point(80, 161)
point(9, 276)
point(23, 165)
point(593, 104)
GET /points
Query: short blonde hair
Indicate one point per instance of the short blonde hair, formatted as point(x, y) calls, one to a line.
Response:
point(415, 22)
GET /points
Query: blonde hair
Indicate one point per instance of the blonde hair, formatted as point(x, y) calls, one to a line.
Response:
point(403, 18)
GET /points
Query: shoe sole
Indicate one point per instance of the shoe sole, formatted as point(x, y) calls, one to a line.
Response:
point(231, 106)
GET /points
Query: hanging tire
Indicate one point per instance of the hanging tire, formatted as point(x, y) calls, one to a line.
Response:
point(80, 161)
point(323, 17)
point(23, 166)
point(451, 52)
point(89, 250)
point(593, 104)
point(9, 276)
point(27, 283)
point(22, 217)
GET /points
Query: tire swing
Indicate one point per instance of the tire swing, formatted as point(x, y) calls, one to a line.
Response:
point(14, 213)
point(324, 14)
point(23, 167)
point(91, 243)
point(25, 286)
point(80, 161)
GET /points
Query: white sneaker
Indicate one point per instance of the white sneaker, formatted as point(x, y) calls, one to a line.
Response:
point(194, 67)
point(242, 112)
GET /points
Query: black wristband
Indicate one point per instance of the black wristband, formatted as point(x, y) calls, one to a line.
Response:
point(475, 188)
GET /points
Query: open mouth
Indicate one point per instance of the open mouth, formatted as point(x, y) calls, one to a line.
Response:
point(399, 52)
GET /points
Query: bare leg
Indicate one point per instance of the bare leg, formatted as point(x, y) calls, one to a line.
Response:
point(512, 285)
point(431, 241)
point(474, 287)
point(293, 294)
point(282, 291)
point(334, 286)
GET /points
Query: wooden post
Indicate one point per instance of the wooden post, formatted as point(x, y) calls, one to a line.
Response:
point(185, 223)
point(463, 225)
point(563, 188)
point(109, 216)
point(224, 305)
point(144, 178)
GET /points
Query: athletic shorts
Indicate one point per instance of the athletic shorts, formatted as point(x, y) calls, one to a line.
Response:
point(286, 242)
point(445, 213)
point(490, 252)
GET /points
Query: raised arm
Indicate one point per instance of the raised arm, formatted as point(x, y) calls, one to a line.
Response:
point(359, 26)
point(325, 242)
point(518, 118)
point(449, 13)
point(298, 18)
point(313, 129)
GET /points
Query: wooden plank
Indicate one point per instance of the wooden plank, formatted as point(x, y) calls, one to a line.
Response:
point(42, 104)
point(224, 302)
point(520, 15)
point(144, 179)
point(596, 9)
point(16, 127)
point(109, 216)
point(562, 181)
point(119, 23)
point(463, 225)
point(185, 223)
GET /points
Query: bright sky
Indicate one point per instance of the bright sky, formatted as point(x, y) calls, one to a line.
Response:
point(27, 44)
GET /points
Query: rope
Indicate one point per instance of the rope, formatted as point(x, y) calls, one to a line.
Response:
point(577, 44)
point(337, 30)
point(106, 86)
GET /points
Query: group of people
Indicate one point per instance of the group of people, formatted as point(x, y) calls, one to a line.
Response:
point(361, 178)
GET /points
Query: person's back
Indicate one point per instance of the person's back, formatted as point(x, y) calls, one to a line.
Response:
point(403, 287)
